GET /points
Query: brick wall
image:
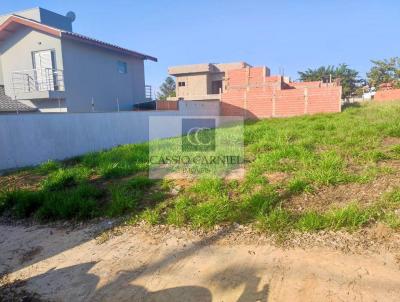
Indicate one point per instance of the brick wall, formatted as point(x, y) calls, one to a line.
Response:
point(387, 95)
point(250, 93)
point(166, 105)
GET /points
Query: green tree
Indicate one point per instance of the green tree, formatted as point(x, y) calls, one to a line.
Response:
point(348, 77)
point(385, 71)
point(167, 89)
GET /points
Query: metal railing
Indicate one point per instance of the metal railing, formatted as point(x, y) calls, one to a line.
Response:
point(148, 92)
point(43, 79)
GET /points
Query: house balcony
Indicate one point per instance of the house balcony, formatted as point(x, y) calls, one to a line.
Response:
point(37, 84)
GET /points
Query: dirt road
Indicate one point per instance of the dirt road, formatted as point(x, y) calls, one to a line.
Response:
point(66, 265)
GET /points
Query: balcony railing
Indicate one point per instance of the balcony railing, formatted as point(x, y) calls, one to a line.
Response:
point(33, 80)
point(148, 93)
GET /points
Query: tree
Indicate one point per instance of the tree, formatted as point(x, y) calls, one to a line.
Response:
point(349, 78)
point(385, 71)
point(167, 89)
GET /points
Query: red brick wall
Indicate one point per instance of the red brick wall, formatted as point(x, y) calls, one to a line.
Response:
point(166, 105)
point(387, 95)
point(324, 99)
point(253, 95)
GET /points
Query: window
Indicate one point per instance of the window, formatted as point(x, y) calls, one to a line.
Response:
point(122, 67)
point(216, 87)
point(181, 84)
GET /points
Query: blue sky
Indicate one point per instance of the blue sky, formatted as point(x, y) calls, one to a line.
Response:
point(290, 35)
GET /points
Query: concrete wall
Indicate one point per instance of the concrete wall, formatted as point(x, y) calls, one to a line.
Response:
point(16, 52)
point(29, 139)
point(195, 85)
point(91, 72)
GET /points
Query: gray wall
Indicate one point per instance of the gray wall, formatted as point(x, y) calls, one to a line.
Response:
point(55, 20)
point(1, 73)
point(90, 71)
point(44, 16)
point(16, 52)
point(29, 139)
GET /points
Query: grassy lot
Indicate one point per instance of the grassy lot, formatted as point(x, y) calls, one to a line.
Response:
point(285, 159)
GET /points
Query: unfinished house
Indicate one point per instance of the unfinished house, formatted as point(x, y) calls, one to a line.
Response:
point(252, 92)
point(203, 82)
point(48, 67)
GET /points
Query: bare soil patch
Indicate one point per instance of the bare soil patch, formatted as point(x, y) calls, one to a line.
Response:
point(21, 180)
point(277, 177)
point(340, 195)
point(166, 264)
point(390, 141)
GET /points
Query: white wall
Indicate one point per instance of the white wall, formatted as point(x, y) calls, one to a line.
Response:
point(29, 139)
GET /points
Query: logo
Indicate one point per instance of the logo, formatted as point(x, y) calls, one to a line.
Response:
point(198, 134)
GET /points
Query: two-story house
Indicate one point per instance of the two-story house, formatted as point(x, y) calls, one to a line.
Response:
point(46, 66)
point(200, 82)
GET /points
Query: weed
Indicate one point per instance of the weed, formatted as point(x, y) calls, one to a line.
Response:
point(48, 167)
point(121, 201)
point(65, 178)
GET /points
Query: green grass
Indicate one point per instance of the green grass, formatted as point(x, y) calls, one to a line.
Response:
point(313, 151)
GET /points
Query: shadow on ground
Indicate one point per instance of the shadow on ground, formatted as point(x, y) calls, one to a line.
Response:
point(87, 286)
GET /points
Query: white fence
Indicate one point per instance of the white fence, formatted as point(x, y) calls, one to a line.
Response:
point(30, 139)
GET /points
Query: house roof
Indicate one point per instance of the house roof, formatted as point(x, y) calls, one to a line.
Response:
point(12, 24)
point(9, 105)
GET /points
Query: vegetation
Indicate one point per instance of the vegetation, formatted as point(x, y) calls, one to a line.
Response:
point(349, 78)
point(167, 89)
point(310, 152)
point(385, 71)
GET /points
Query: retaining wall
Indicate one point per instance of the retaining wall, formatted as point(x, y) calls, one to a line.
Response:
point(30, 139)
